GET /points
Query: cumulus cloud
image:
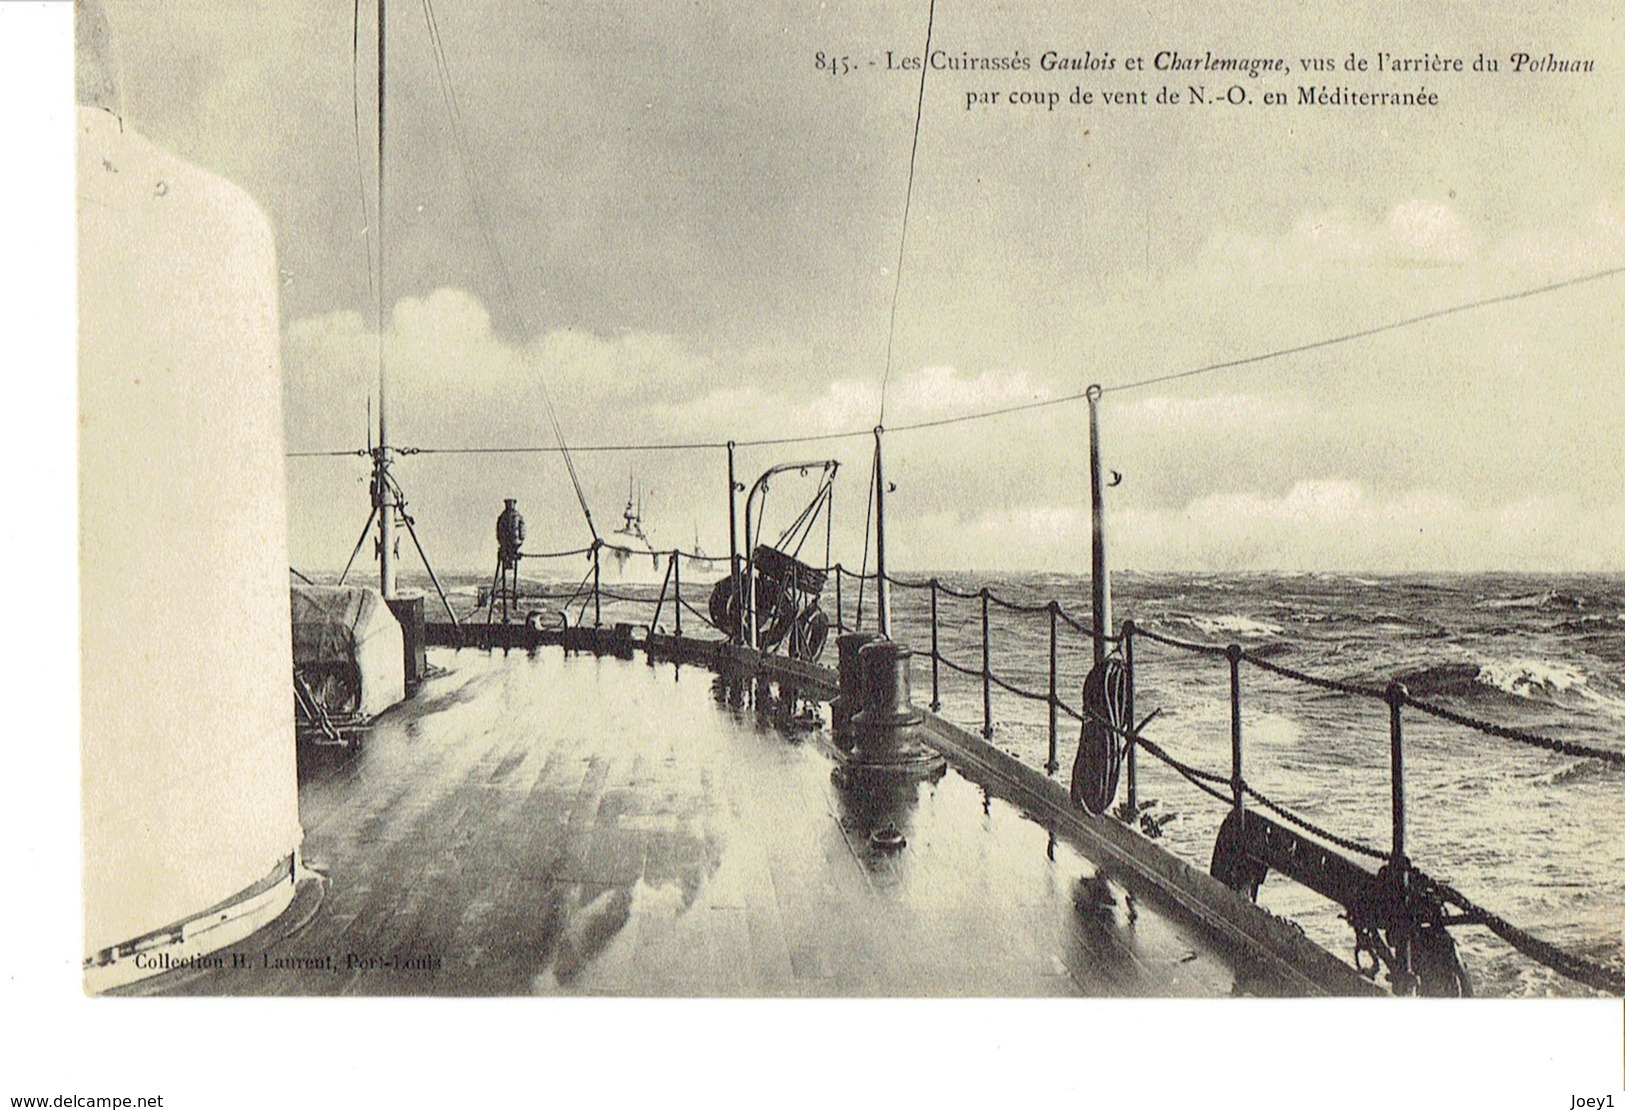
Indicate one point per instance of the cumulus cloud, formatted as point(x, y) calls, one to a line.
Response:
point(1313, 525)
point(1456, 444)
point(1227, 411)
point(1341, 525)
point(1415, 232)
point(455, 384)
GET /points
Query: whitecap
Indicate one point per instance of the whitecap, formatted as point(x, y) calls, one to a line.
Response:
point(1235, 625)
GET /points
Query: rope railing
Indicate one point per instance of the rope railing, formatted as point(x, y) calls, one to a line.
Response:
point(1310, 827)
point(1569, 964)
point(611, 595)
point(1578, 968)
point(1016, 690)
point(1187, 645)
point(952, 666)
point(570, 554)
point(1079, 627)
point(989, 680)
point(963, 595)
point(1563, 747)
point(1582, 970)
point(1232, 790)
point(1391, 693)
point(1336, 686)
point(1194, 775)
point(1020, 607)
point(905, 583)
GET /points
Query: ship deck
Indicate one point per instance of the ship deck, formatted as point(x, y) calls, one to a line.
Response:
point(533, 822)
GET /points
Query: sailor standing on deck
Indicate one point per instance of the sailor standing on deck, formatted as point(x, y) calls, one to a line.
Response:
point(510, 535)
point(510, 538)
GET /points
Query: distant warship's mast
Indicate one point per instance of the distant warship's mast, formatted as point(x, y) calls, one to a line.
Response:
point(382, 489)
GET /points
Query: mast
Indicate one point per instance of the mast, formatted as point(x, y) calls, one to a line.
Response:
point(383, 493)
point(882, 583)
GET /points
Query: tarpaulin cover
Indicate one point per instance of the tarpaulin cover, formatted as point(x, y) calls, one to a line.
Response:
point(351, 625)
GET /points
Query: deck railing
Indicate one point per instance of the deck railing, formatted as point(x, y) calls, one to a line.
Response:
point(1050, 619)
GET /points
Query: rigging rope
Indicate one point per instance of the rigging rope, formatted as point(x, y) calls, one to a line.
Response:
point(1366, 333)
point(448, 92)
point(868, 514)
point(378, 299)
point(1047, 402)
point(360, 158)
point(908, 197)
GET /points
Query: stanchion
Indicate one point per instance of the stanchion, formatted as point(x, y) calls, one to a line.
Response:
point(987, 676)
point(1399, 866)
point(936, 654)
point(1233, 653)
point(1128, 712)
point(1053, 764)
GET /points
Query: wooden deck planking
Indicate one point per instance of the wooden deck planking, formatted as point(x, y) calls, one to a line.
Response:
point(613, 831)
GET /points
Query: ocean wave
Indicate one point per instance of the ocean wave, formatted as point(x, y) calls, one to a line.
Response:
point(1532, 678)
point(1580, 771)
point(1227, 625)
point(1591, 622)
point(1548, 599)
point(1442, 680)
point(1536, 680)
point(1368, 619)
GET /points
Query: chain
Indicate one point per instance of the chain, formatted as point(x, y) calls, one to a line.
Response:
point(1310, 827)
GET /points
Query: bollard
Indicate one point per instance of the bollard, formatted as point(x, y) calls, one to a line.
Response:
point(888, 732)
point(850, 698)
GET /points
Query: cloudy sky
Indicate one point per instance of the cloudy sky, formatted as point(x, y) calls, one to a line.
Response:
point(700, 234)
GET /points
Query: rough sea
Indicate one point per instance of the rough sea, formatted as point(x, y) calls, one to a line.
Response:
point(1535, 836)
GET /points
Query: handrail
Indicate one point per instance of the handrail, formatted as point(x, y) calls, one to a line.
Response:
point(1233, 789)
point(1489, 728)
point(1230, 790)
point(1398, 866)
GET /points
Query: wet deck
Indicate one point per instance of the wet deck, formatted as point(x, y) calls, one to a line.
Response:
point(533, 823)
